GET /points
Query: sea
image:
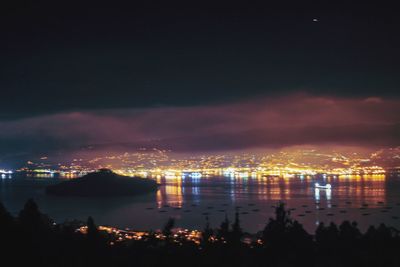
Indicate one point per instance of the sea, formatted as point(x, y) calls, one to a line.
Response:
point(368, 200)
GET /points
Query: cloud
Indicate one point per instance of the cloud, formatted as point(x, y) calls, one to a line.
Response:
point(269, 122)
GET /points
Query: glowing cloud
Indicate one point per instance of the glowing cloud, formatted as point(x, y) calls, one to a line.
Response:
point(256, 123)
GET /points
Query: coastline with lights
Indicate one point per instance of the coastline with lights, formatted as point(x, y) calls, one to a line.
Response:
point(241, 172)
point(155, 163)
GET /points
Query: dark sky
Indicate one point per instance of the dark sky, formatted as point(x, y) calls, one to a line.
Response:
point(60, 58)
point(61, 55)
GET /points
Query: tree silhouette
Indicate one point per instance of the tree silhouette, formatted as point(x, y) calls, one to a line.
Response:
point(32, 219)
point(274, 233)
point(92, 230)
point(8, 228)
point(327, 238)
point(167, 230)
point(207, 233)
point(286, 240)
point(349, 234)
point(237, 232)
point(223, 231)
point(6, 220)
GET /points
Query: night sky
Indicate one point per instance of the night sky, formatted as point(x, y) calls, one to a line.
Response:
point(216, 76)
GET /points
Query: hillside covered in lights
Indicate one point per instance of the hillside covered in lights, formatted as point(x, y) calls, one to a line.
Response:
point(285, 162)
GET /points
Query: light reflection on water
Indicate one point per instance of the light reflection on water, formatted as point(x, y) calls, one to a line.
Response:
point(358, 188)
point(367, 199)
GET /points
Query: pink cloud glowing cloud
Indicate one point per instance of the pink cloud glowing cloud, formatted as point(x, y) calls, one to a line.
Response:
point(267, 122)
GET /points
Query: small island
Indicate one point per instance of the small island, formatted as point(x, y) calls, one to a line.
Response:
point(102, 183)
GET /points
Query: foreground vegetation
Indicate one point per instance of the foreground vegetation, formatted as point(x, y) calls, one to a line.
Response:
point(33, 239)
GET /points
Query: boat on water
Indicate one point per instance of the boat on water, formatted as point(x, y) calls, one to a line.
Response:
point(327, 186)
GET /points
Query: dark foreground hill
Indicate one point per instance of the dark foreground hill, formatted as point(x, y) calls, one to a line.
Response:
point(103, 183)
point(34, 239)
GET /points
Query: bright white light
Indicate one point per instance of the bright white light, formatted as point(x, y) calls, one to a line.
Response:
point(195, 175)
point(328, 193)
point(328, 186)
point(316, 194)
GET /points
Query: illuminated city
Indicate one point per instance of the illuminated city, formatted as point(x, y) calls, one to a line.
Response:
point(160, 163)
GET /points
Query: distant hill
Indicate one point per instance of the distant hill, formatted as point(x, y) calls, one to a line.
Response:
point(103, 183)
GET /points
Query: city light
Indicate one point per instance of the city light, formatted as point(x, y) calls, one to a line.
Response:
point(159, 163)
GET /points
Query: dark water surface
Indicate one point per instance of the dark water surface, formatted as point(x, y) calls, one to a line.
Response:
point(365, 199)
